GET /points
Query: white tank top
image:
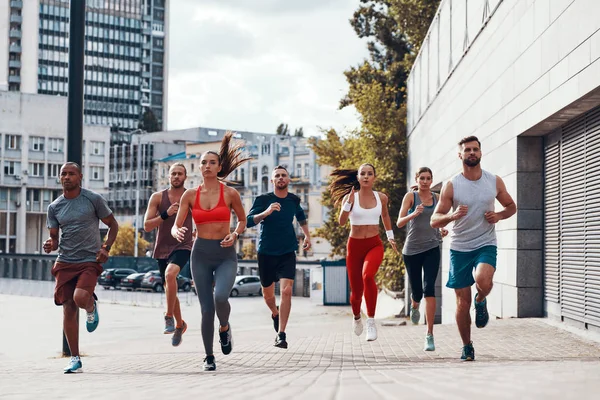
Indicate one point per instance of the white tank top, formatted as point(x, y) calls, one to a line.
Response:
point(365, 216)
point(472, 231)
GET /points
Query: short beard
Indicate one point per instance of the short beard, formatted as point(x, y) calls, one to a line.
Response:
point(470, 163)
point(282, 188)
point(177, 187)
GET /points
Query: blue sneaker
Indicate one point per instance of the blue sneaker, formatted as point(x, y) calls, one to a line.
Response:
point(75, 366)
point(481, 313)
point(169, 325)
point(92, 319)
point(468, 352)
point(415, 315)
point(429, 343)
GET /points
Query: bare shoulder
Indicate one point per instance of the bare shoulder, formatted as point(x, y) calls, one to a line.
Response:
point(383, 197)
point(230, 192)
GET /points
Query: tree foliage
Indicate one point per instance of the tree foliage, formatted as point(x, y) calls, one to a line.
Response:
point(249, 250)
point(282, 130)
point(149, 122)
point(377, 88)
point(125, 242)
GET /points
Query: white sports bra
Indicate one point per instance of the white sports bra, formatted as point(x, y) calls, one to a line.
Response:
point(365, 216)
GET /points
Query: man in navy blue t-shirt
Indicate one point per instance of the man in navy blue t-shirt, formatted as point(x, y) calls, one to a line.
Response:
point(277, 245)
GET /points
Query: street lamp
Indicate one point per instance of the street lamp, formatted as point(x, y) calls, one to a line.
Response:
point(137, 132)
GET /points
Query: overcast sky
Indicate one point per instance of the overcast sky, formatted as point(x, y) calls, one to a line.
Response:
point(251, 64)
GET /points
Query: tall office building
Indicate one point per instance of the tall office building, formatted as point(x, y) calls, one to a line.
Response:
point(126, 55)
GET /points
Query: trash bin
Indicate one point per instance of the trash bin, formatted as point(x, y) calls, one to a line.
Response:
point(336, 288)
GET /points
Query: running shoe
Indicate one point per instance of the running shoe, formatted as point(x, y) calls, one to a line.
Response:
point(226, 340)
point(92, 319)
point(371, 330)
point(468, 353)
point(481, 313)
point(357, 326)
point(176, 339)
point(209, 363)
point(169, 325)
point(276, 321)
point(429, 343)
point(280, 341)
point(75, 366)
point(415, 315)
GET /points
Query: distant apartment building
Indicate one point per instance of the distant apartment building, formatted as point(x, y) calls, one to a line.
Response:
point(33, 131)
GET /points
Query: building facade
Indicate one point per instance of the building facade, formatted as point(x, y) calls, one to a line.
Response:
point(33, 137)
point(126, 55)
point(309, 179)
point(523, 76)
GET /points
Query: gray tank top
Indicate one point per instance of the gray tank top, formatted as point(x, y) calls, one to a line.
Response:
point(420, 235)
point(165, 243)
point(472, 231)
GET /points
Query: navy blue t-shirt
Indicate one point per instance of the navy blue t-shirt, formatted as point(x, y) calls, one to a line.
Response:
point(277, 234)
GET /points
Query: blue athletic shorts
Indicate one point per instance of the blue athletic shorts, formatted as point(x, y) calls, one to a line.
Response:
point(462, 264)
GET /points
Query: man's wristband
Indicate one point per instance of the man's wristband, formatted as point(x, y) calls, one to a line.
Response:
point(106, 247)
point(164, 215)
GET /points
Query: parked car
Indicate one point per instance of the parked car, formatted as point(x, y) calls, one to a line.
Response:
point(246, 285)
point(152, 280)
point(112, 277)
point(133, 281)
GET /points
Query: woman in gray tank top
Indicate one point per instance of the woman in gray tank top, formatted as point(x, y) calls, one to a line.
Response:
point(421, 252)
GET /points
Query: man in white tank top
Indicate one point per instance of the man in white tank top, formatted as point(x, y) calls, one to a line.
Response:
point(472, 195)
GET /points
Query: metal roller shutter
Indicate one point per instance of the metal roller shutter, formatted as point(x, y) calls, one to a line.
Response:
point(572, 219)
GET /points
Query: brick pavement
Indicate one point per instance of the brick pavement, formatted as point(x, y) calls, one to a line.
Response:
point(129, 358)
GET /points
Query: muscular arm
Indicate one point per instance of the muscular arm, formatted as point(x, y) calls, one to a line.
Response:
point(510, 208)
point(385, 213)
point(185, 204)
point(113, 229)
point(238, 209)
point(440, 217)
point(403, 216)
point(151, 219)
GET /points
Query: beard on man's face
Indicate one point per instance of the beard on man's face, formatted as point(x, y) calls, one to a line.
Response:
point(177, 184)
point(471, 162)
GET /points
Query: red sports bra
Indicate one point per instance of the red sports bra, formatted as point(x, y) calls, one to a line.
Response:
point(220, 213)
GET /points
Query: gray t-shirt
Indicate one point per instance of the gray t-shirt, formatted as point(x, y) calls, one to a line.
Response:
point(78, 221)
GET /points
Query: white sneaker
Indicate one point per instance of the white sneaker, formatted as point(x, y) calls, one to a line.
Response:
point(357, 326)
point(371, 330)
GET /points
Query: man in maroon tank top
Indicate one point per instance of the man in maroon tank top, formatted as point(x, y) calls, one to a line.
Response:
point(171, 254)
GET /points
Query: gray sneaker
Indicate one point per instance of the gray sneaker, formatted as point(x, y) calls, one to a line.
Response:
point(169, 325)
point(176, 339)
point(415, 315)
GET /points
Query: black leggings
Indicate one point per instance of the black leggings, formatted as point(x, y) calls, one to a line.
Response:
point(429, 263)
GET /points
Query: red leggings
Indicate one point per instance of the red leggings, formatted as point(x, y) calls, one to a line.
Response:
point(363, 259)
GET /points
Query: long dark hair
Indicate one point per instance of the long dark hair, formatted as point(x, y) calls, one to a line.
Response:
point(230, 157)
point(343, 180)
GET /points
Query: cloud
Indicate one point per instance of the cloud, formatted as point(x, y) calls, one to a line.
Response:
point(251, 65)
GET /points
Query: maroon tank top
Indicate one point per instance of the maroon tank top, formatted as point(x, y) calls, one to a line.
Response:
point(165, 243)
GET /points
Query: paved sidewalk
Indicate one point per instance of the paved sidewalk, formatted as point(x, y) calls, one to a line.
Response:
point(129, 357)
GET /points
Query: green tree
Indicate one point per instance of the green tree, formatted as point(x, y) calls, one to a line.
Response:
point(377, 87)
point(299, 132)
point(149, 122)
point(124, 244)
point(283, 130)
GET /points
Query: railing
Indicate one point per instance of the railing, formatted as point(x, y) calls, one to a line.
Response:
point(455, 27)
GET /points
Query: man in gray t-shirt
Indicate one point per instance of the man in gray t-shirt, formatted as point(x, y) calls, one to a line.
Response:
point(76, 214)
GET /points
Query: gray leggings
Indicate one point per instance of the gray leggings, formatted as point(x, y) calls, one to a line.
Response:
point(213, 263)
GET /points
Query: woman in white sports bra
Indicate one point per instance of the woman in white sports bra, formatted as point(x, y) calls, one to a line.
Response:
point(365, 248)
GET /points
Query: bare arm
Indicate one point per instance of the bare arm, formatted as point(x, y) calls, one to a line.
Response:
point(151, 219)
point(238, 209)
point(113, 229)
point(510, 208)
point(440, 217)
point(403, 216)
point(185, 204)
point(51, 244)
point(387, 222)
point(349, 198)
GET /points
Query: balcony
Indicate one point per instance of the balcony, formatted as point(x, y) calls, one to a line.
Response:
point(16, 19)
point(14, 64)
point(15, 48)
point(146, 74)
point(146, 46)
point(147, 60)
point(15, 34)
point(14, 79)
point(18, 4)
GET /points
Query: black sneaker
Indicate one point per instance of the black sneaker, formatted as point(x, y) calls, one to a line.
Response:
point(276, 321)
point(468, 353)
point(280, 341)
point(226, 341)
point(209, 363)
point(481, 313)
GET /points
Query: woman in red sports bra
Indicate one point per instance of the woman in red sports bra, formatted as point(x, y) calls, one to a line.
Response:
point(214, 258)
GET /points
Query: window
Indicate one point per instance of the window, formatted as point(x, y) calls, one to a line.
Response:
point(97, 148)
point(254, 174)
point(12, 142)
point(12, 168)
point(37, 143)
point(56, 145)
point(298, 169)
point(36, 169)
point(306, 170)
point(265, 170)
point(53, 170)
point(97, 173)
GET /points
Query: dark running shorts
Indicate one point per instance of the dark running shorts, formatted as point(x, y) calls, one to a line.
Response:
point(273, 268)
point(71, 276)
point(178, 257)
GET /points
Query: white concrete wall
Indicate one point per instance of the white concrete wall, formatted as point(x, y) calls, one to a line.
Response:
point(4, 42)
point(533, 59)
point(29, 44)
